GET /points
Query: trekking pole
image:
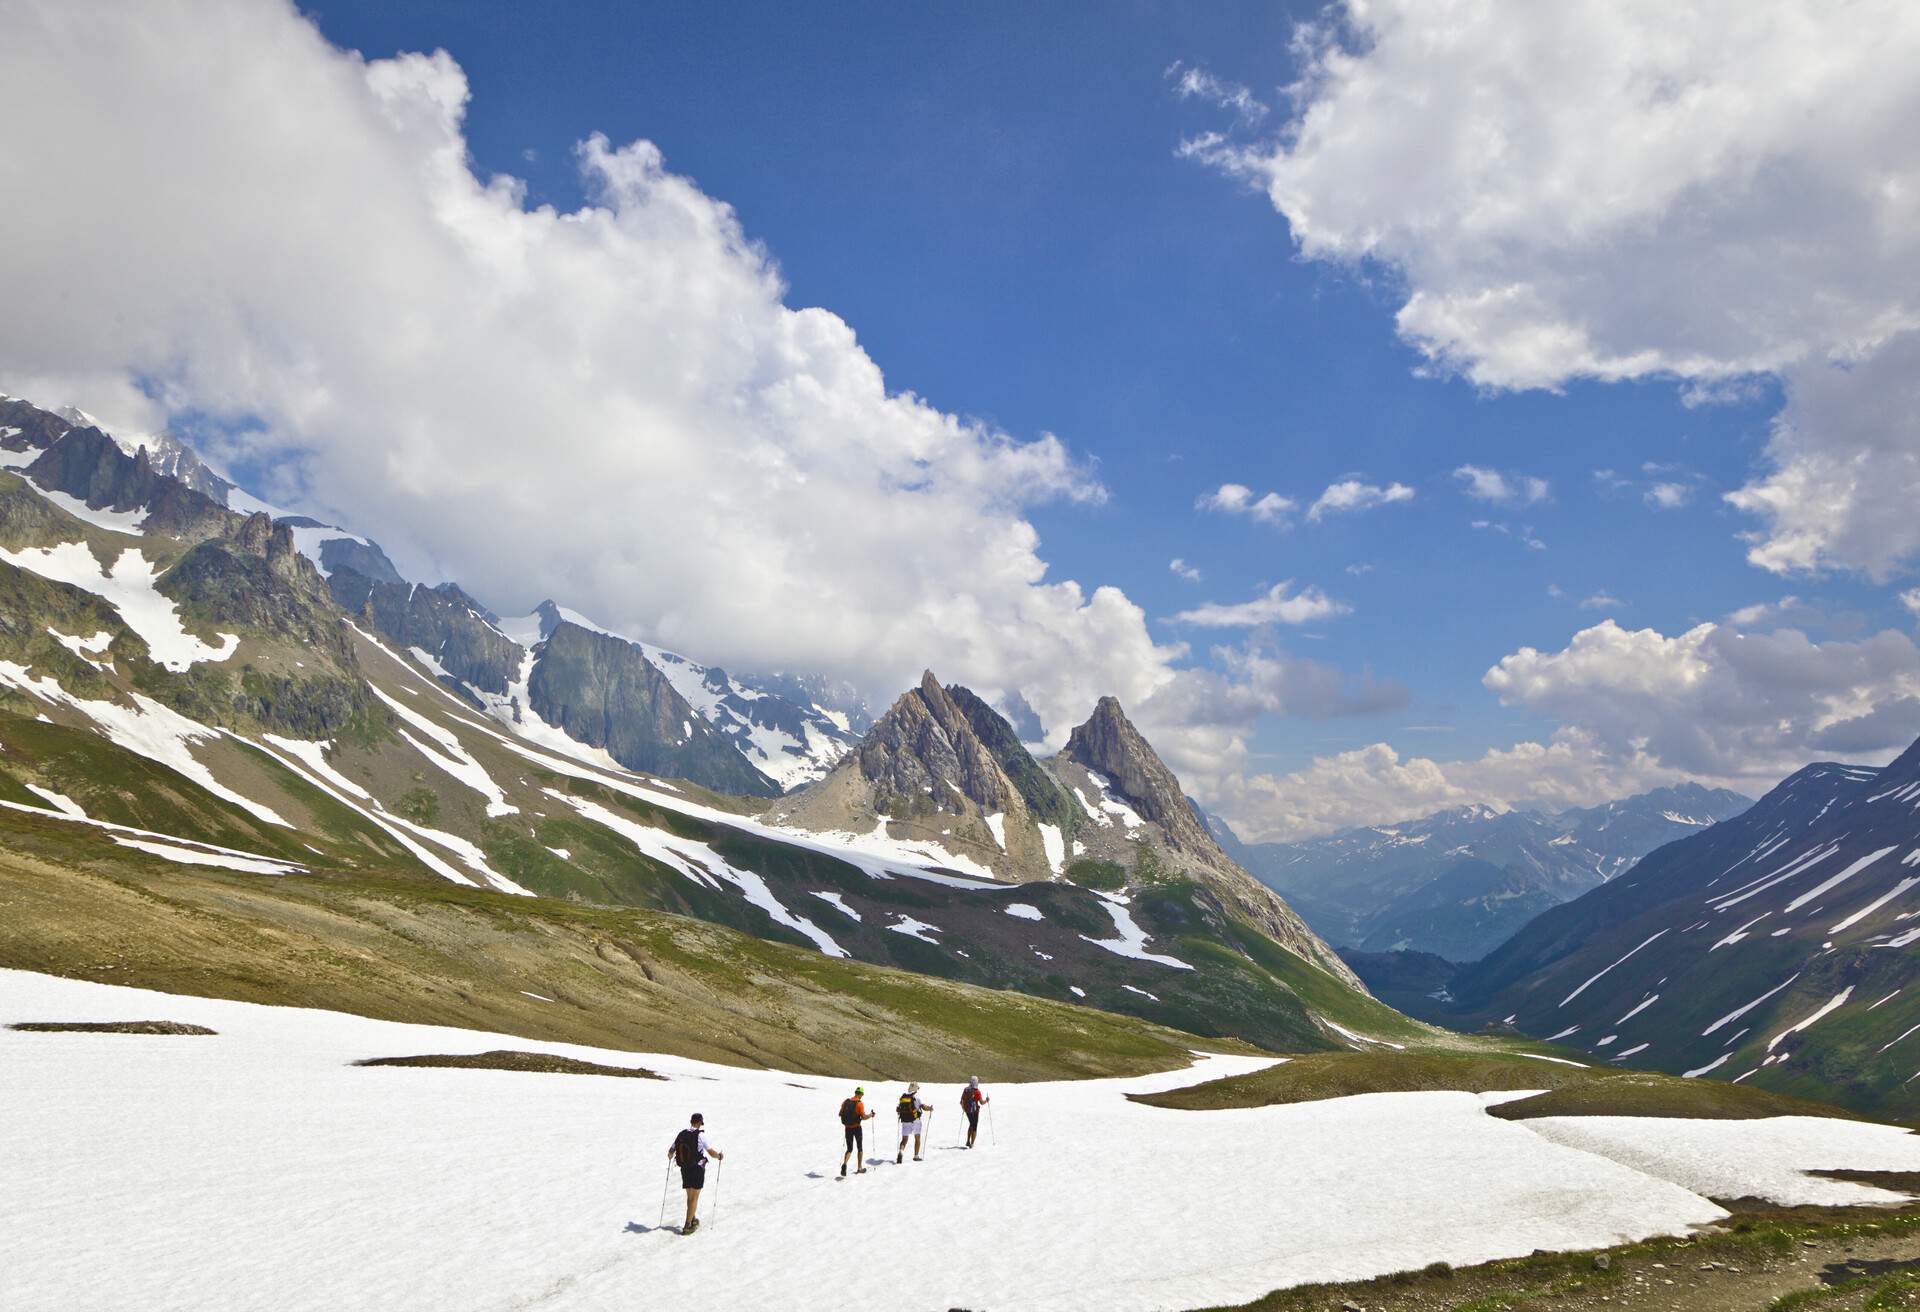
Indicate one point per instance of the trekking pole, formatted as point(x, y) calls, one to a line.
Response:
point(664, 1186)
point(992, 1133)
point(713, 1211)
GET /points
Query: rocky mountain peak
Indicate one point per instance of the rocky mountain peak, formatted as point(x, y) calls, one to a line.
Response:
point(87, 464)
point(1119, 760)
point(1110, 746)
point(924, 751)
point(254, 534)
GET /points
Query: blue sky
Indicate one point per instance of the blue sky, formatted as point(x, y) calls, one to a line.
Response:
point(992, 198)
point(1486, 237)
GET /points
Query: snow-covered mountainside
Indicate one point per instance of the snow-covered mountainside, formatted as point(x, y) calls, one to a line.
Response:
point(790, 742)
point(948, 774)
point(185, 681)
point(751, 739)
point(1775, 948)
point(433, 1181)
point(1459, 882)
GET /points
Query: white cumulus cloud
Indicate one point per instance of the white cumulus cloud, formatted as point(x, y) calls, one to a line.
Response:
point(1719, 702)
point(1351, 494)
point(1280, 604)
point(1613, 189)
point(1491, 485)
point(614, 403)
point(1668, 496)
point(1238, 499)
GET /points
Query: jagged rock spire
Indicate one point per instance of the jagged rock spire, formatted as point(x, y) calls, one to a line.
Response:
point(1109, 746)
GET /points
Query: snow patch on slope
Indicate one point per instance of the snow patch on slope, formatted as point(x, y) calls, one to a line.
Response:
point(128, 588)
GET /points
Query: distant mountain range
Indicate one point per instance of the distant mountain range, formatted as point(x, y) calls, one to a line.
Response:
point(1459, 882)
point(1776, 948)
point(645, 707)
point(184, 683)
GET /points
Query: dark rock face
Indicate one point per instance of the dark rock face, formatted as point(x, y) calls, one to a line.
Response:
point(604, 692)
point(815, 690)
point(255, 579)
point(365, 558)
point(362, 557)
point(1046, 800)
point(35, 429)
point(87, 464)
point(444, 622)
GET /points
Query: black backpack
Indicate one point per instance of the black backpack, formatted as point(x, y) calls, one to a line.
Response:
point(909, 1109)
point(686, 1148)
point(848, 1116)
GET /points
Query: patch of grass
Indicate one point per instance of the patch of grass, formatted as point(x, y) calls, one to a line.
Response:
point(420, 805)
point(109, 1027)
point(506, 1059)
point(434, 952)
point(1320, 1075)
point(1546, 1279)
point(1103, 876)
point(1572, 1091)
point(1325, 994)
point(1646, 1093)
point(1881, 1292)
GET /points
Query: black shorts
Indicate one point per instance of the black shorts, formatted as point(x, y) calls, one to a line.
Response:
point(856, 1138)
point(693, 1177)
point(973, 1116)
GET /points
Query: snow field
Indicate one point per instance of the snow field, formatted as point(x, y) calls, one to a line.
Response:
point(129, 588)
point(258, 1168)
point(1718, 1159)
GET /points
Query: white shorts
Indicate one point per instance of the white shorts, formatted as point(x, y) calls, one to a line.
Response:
point(908, 1128)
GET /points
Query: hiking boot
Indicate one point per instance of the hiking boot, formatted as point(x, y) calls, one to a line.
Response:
point(843, 1170)
point(900, 1157)
point(861, 1171)
point(691, 1226)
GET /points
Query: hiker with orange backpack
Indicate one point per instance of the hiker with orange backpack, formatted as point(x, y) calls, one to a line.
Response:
point(913, 1121)
point(689, 1152)
point(853, 1115)
point(970, 1099)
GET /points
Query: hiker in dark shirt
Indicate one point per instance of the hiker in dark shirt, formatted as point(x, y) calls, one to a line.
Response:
point(970, 1099)
point(689, 1152)
point(853, 1118)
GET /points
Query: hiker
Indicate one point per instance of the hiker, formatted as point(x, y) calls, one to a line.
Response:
point(853, 1114)
point(970, 1099)
point(689, 1152)
point(912, 1114)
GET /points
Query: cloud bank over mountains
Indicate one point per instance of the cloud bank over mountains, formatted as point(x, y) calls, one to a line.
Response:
point(257, 229)
point(287, 243)
point(1727, 198)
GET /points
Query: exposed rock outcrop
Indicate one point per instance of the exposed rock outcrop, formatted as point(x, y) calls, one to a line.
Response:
point(943, 768)
point(1116, 771)
point(604, 692)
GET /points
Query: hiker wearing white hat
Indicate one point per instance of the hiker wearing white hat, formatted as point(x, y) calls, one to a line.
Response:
point(914, 1115)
